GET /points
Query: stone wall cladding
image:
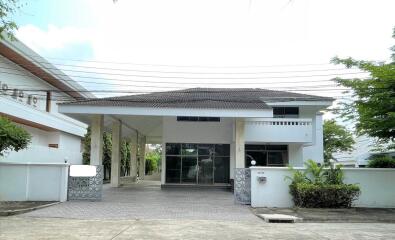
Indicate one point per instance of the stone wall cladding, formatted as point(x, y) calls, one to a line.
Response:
point(242, 185)
point(86, 188)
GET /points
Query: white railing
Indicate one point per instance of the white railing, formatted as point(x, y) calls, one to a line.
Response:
point(291, 130)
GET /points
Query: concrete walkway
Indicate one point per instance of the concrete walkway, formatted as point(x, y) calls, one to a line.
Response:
point(60, 228)
point(147, 201)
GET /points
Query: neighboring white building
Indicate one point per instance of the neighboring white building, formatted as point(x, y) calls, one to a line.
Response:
point(30, 89)
point(207, 133)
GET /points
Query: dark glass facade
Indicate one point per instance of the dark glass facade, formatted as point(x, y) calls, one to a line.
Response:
point(191, 163)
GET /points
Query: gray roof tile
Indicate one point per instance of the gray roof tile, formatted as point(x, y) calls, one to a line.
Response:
point(217, 98)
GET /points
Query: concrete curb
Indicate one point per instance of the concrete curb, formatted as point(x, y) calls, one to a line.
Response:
point(25, 210)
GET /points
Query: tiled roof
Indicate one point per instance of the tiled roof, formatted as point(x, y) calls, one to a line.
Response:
point(217, 98)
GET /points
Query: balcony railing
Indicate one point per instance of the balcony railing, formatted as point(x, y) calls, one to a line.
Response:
point(279, 130)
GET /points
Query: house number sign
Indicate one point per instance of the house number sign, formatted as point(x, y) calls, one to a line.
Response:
point(18, 94)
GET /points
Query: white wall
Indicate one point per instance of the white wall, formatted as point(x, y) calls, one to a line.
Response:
point(38, 151)
point(377, 188)
point(33, 182)
point(315, 151)
point(197, 132)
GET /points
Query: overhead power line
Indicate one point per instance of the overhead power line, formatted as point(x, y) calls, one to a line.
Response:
point(176, 72)
point(183, 66)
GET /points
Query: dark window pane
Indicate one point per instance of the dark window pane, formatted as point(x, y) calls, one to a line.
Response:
point(173, 169)
point(189, 169)
point(213, 119)
point(205, 149)
point(189, 149)
point(258, 156)
point(291, 110)
point(276, 147)
point(222, 149)
point(221, 170)
point(173, 148)
point(285, 112)
point(206, 165)
point(255, 147)
point(276, 158)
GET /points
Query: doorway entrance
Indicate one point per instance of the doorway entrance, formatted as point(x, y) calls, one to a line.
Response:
point(191, 163)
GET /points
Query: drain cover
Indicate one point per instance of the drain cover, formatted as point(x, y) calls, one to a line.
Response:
point(279, 218)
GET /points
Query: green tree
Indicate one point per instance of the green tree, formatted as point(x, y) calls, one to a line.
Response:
point(374, 107)
point(86, 155)
point(125, 158)
point(7, 25)
point(107, 150)
point(152, 161)
point(12, 137)
point(336, 138)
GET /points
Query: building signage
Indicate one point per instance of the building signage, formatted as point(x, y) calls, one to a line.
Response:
point(18, 94)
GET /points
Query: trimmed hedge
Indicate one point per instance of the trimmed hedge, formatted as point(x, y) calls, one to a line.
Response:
point(382, 162)
point(311, 195)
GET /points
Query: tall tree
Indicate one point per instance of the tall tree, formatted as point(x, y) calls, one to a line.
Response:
point(374, 107)
point(7, 25)
point(336, 139)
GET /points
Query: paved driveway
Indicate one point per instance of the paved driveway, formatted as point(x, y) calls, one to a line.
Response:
point(147, 201)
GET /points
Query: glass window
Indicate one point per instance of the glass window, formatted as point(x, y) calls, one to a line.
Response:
point(276, 159)
point(173, 148)
point(221, 169)
point(285, 112)
point(266, 155)
point(206, 166)
point(205, 149)
point(173, 169)
point(189, 149)
point(189, 169)
point(222, 149)
point(198, 119)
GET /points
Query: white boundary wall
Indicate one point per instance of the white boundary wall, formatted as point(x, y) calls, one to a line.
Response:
point(377, 187)
point(33, 181)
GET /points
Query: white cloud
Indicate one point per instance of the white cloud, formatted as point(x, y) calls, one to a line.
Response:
point(53, 38)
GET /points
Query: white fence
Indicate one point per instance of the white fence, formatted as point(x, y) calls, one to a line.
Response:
point(33, 181)
point(377, 187)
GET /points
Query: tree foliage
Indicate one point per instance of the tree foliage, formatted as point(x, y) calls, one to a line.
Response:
point(336, 138)
point(7, 25)
point(12, 137)
point(374, 107)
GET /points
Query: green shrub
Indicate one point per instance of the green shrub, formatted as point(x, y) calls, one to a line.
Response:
point(381, 162)
point(320, 187)
point(12, 137)
point(311, 195)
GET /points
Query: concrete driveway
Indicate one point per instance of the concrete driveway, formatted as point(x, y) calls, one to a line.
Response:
point(147, 201)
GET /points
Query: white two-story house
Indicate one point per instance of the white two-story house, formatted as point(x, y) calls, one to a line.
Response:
point(207, 133)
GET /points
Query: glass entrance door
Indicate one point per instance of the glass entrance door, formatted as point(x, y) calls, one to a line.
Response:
point(205, 170)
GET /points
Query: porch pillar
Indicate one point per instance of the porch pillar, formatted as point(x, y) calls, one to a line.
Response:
point(116, 153)
point(239, 143)
point(133, 158)
point(142, 157)
point(96, 140)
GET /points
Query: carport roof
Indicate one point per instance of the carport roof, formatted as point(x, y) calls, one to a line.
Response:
point(203, 98)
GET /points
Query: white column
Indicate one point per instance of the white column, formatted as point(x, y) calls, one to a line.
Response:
point(116, 153)
point(133, 158)
point(239, 143)
point(96, 140)
point(142, 157)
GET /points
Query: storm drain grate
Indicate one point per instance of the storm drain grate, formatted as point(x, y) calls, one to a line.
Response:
point(279, 218)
